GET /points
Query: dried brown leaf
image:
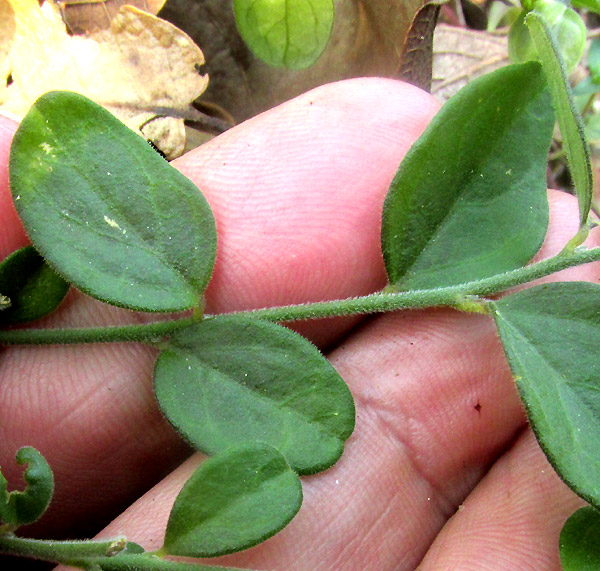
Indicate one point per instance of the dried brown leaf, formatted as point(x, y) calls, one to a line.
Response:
point(143, 69)
point(84, 16)
point(461, 55)
point(417, 56)
point(367, 39)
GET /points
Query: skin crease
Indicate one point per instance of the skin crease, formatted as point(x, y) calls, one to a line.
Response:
point(297, 194)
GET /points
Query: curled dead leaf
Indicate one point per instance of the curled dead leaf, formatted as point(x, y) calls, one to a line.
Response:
point(143, 69)
point(417, 52)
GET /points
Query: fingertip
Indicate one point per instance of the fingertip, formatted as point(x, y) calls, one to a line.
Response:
point(12, 234)
point(298, 192)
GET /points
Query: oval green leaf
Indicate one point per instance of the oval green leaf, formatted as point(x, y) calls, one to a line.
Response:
point(580, 541)
point(569, 120)
point(33, 287)
point(231, 380)
point(551, 335)
point(291, 33)
point(469, 199)
point(105, 211)
point(20, 508)
point(233, 501)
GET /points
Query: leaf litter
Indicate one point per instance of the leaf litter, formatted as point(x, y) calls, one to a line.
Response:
point(143, 69)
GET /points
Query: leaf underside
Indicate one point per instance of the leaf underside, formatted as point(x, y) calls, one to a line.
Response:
point(233, 501)
point(469, 199)
point(232, 380)
point(580, 541)
point(105, 211)
point(291, 33)
point(551, 335)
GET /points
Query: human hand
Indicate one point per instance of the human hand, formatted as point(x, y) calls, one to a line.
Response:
point(297, 195)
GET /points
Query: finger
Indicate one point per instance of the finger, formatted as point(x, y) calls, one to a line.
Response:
point(404, 470)
point(90, 409)
point(436, 407)
point(299, 192)
point(375, 509)
point(511, 520)
point(12, 235)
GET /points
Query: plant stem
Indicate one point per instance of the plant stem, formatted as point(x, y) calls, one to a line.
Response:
point(149, 332)
point(451, 296)
point(56, 551)
point(92, 554)
point(384, 301)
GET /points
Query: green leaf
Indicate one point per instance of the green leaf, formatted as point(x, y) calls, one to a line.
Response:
point(469, 199)
point(231, 380)
point(592, 129)
point(583, 90)
point(105, 211)
point(20, 508)
point(593, 61)
point(591, 5)
point(131, 548)
point(291, 33)
point(569, 120)
point(551, 335)
point(34, 289)
point(233, 501)
point(580, 541)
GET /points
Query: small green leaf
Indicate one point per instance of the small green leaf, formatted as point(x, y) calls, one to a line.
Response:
point(566, 27)
point(132, 549)
point(20, 508)
point(105, 211)
point(571, 125)
point(591, 5)
point(291, 33)
point(469, 199)
point(231, 380)
point(580, 541)
point(34, 289)
point(551, 335)
point(233, 501)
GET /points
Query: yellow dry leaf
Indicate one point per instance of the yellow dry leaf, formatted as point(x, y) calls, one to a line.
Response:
point(7, 32)
point(83, 16)
point(143, 69)
point(461, 55)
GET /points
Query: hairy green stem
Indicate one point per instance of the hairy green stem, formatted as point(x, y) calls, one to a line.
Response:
point(56, 551)
point(92, 554)
point(148, 332)
point(150, 563)
point(452, 296)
